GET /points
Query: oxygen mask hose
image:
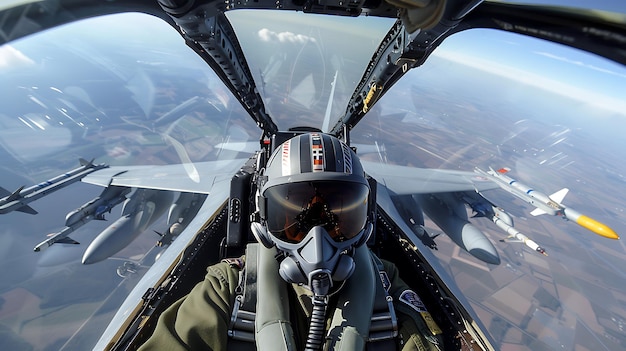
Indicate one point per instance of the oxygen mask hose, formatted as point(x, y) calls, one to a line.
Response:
point(320, 286)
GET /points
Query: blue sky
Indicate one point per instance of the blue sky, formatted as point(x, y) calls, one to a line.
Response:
point(598, 82)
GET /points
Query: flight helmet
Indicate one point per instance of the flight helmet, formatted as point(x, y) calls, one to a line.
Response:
point(314, 206)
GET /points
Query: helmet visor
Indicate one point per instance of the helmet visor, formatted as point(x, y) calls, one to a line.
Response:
point(294, 208)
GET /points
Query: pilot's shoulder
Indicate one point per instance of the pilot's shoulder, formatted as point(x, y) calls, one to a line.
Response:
point(226, 271)
point(238, 262)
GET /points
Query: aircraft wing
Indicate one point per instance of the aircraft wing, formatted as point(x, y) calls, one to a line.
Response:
point(193, 178)
point(404, 180)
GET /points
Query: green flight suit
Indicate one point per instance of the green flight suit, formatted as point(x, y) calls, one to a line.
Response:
point(200, 320)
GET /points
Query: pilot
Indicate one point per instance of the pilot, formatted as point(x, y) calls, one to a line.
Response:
point(310, 283)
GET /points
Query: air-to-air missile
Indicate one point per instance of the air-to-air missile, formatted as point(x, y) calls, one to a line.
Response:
point(485, 208)
point(505, 222)
point(94, 209)
point(546, 204)
point(20, 198)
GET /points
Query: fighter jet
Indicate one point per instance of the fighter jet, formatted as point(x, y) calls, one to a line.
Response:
point(210, 218)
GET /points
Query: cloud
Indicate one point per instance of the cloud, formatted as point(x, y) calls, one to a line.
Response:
point(11, 57)
point(283, 37)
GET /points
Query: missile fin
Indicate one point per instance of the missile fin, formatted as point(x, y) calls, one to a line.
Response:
point(86, 163)
point(14, 195)
point(66, 240)
point(559, 195)
point(511, 239)
point(27, 209)
point(537, 212)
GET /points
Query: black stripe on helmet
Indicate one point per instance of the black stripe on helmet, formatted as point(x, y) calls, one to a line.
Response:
point(330, 149)
point(305, 154)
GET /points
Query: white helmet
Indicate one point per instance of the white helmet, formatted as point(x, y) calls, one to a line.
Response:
point(314, 203)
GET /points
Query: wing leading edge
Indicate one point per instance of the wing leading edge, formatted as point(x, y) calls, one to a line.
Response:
point(173, 177)
point(403, 180)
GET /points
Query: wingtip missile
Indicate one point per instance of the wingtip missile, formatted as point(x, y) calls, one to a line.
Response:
point(547, 204)
point(19, 199)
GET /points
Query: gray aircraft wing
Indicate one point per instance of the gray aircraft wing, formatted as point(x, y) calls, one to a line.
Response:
point(193, 178)
point(442, 195)
point(154, 185)
point(403, 180)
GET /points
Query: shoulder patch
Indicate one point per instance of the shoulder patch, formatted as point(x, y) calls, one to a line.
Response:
point(411, 298)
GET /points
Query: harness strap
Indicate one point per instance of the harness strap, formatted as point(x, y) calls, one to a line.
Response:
point(350, 321)
point(272, 323)
point(373, 312)
point(372, 320)
point(244, 310)
point(384, 325)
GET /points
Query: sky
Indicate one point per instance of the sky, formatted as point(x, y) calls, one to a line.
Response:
point(591, 79)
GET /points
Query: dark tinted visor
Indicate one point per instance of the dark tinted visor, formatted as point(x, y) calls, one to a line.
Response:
point(294, 208)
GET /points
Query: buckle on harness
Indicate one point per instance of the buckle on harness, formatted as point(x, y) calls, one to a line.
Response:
point(241, 322)
point(384, 323)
